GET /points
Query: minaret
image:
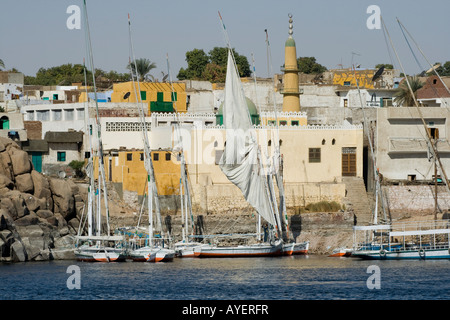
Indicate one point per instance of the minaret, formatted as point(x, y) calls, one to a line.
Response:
point(291, 94)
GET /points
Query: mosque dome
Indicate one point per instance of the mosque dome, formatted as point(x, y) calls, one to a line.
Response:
point(251, 109)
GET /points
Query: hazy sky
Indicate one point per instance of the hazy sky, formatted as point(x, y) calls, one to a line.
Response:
point(34, 34)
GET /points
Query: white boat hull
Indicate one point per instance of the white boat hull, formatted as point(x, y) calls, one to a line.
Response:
point(160, 255)
point(256, 250)
point(96, 254)
point(421, 254)
point(295, 248)
point(186, 249)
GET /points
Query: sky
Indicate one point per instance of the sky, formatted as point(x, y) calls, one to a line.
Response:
point(34, 33)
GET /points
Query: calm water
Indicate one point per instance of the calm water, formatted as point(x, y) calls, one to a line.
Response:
point(282, 278)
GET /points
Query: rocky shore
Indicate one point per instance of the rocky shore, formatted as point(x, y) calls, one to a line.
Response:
point(39, 215)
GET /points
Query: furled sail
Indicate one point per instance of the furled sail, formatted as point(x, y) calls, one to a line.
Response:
point(240, 161)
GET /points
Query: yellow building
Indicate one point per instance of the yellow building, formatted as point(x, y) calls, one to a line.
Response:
point(127, 168)
point(158, 95)
point(346, 78)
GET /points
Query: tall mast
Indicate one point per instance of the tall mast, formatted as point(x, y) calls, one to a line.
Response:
point(151, 183)
point(184, 181)
point(90, 165)
point(102, 177)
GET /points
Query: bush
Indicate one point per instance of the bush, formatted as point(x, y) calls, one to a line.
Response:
point(77, 166)
point(323, 206)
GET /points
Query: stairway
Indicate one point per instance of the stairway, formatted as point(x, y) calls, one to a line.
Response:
point(356, 199)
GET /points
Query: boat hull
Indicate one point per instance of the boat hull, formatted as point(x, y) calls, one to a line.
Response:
point(258, 250)
point(100, 255)
point(295, 248)
point(421, 254)
point(341, 253)
point(160, 255)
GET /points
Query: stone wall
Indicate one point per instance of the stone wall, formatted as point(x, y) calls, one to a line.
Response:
point(226, 198)
point(409, 200)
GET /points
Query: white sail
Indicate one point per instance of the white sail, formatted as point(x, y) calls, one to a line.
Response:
point(240, 160)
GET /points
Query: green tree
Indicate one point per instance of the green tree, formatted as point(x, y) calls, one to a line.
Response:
point(2, 64)
point(143, 66)
point(212, 66)
point(197, 60)
point(444, 70)
point(403, 95)
point(219, 56)
point(309, 65)
point(65, 74)
point(385, 65)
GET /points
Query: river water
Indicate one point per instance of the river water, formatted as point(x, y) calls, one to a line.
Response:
point(310, 277)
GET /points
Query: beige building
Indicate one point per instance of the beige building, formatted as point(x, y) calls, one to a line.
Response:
point(402, 151)
point(315, 158)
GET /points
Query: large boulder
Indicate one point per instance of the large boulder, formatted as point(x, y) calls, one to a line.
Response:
point(5, 182)
point(14, 203)
point(6, 165)
point(63, 200)
point(18, 252)
point(42, 188)
point(24, 183)
point(20, 161)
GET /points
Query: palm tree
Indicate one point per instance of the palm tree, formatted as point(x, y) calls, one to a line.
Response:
point(143, 66)
point(403, 95)
point(2, 64)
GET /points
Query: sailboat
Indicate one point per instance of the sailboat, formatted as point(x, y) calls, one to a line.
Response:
point(154, 250)
point(97, 246)
point(416, 240)
point(185, 247)
point(290, 246)
point(241, 163)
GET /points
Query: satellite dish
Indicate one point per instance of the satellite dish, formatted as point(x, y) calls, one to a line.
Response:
point(377, 74)
point(126, 95)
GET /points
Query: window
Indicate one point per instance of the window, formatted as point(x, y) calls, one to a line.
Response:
point(87, 155)
point(314, 155)
point(141, 156)
point(345, 103)
point(57, 115)
point(272, 122)
point(129, 156)
point(69, 113)
point(411, 177)
point(43, 115)
point(168, 156)
point(434, 133)
point(80, 114)
point(283, 123)
point(156, 157)
point(61, 156)
point(347, 83)
point(143, 95)
point(294, 123)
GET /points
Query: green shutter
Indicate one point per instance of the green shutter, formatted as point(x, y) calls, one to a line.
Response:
point(143, 95)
